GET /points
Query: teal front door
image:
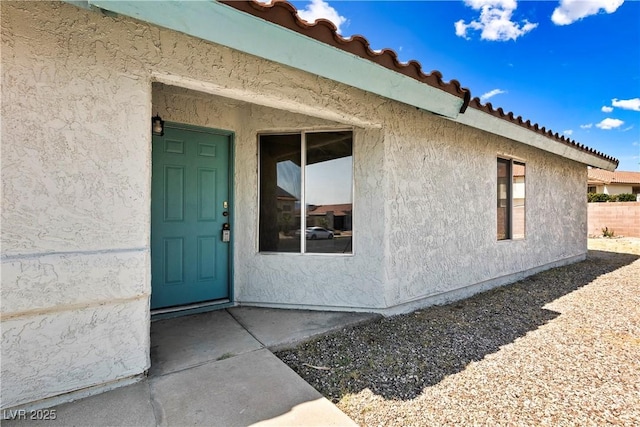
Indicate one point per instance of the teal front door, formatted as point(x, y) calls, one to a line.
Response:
point(189, 208)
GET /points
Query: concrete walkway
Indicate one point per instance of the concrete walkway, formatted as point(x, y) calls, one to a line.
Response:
point(216, 369)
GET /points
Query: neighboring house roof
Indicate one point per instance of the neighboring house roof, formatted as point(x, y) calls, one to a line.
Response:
point(518, 170)
point(387, 75)
point(338, 210)
point(619, 177)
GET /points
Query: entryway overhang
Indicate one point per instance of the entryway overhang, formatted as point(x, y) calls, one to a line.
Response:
point(250, 97)
point(227, 26)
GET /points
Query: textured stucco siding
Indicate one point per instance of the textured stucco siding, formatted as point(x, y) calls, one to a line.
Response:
point(55, 353)
point(76, 150)
point(78, 92)
point(75, 223)
point(338, 282)
point(441, 209)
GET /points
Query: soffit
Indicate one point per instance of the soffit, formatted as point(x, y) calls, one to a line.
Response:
point(229, 26)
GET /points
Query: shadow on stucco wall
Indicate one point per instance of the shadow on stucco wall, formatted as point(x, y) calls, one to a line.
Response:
point(398, 357)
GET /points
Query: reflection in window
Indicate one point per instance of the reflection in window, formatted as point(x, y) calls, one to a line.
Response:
point(323, 208)
point(518, 171)
point(328, 197)
point(511, 199)
point(280, 192)
point(504, 176)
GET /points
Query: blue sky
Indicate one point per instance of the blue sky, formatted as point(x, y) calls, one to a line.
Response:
point(572, 66)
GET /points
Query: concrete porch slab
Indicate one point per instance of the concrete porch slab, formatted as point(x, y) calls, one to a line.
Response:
point(250, 388)
point(277, 329)
point(189, 341)
point(209, 369)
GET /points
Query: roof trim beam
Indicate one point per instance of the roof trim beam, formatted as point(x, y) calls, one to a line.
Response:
point(498, 126)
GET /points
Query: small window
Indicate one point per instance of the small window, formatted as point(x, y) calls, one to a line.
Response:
point(591, 189)
point(511, 199)
point(306, 202)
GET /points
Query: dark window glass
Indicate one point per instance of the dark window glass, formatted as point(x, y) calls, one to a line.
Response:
point(326, 200)
point(511, 199)
point(504, 194)
point(329, 202)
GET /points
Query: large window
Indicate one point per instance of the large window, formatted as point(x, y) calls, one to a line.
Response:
point(511, 199)
point(306, 201)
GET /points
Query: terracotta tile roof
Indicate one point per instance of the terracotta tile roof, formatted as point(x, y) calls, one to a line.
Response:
point(618, 177)
point(285, 14)
point(282, 13)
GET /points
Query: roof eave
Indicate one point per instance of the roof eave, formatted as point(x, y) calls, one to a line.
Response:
point(241, 31)
point(490, 123)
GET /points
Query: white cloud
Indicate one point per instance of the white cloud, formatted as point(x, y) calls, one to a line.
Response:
point(627, 128)
point(570, 11)
point(608, 124)
point(606, 109)
point(587, 126)
point(495, 22)
point(491, 94)
point(627, 104)
point(568, 132)
point(318, 9)
point(635, 143)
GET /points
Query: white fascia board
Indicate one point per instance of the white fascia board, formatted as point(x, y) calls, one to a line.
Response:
point(224, 25)
point(481, 120)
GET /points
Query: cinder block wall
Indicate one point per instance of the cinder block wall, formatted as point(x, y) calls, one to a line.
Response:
point(621, 217)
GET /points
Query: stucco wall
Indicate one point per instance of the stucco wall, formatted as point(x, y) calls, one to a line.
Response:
point(617, 189)
point(441, 208)
point(290, 279)
point(75, 186)
point(76, 102)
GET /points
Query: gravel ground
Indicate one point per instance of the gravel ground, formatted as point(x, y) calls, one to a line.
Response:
point(558, 348)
